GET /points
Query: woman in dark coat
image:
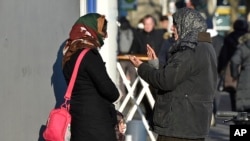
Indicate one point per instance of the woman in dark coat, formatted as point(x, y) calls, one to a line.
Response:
point(91, 106)
point(186, 84)
point(241, 58)
point(229, 47)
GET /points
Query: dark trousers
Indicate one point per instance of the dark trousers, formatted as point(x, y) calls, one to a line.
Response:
point(165, 138)
point(232, 93)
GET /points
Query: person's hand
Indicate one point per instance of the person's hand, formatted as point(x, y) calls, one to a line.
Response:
point(135, 61)
point(151, 53)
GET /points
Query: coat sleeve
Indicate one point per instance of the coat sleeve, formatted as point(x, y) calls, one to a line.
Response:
point(236, 60)
point(170, 76)
point(98, 73)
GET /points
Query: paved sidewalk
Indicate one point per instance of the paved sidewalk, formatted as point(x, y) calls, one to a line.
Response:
point(220, 132)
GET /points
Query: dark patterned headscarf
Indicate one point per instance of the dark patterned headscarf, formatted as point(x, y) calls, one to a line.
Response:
point(87, 32)
point(189, 23)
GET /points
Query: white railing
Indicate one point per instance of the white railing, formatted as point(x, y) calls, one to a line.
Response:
point(135, 100)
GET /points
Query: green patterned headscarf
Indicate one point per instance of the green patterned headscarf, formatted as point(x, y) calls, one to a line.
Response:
point(94, 21)
point(88, 31)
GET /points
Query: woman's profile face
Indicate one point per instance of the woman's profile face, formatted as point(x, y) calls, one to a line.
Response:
point(105, 28)
point(175, 33)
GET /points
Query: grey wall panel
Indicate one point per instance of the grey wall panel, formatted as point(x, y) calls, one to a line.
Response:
point(31, 81)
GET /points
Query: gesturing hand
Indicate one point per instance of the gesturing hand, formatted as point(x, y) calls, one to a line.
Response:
point(151, 53)
point(135, 61)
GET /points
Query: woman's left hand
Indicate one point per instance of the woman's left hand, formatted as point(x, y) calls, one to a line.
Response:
point(135, 61)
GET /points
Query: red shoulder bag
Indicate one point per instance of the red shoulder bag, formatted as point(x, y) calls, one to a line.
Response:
point(58, 122)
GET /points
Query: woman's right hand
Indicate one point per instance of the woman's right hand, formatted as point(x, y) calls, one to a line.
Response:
point(151, 53)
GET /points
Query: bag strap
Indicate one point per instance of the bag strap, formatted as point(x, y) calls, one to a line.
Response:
point(74, 74)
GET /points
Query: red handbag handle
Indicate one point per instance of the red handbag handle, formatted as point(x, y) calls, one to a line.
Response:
point(74, 74)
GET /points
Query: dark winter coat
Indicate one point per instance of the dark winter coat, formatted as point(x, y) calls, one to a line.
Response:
point(241, 58)
point(187, 84)
point(227, 51)
point(93, 114)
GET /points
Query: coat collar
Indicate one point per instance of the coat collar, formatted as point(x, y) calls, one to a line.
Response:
point(204, 37)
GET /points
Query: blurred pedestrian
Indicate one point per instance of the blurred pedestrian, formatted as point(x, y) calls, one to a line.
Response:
point(91, 105)
point(164, 50)
point(125, 39)
point(164, 22)
point(227, 51)
point(186, 84)
point(149, 35)
point(240, 71)
point(125, 35)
